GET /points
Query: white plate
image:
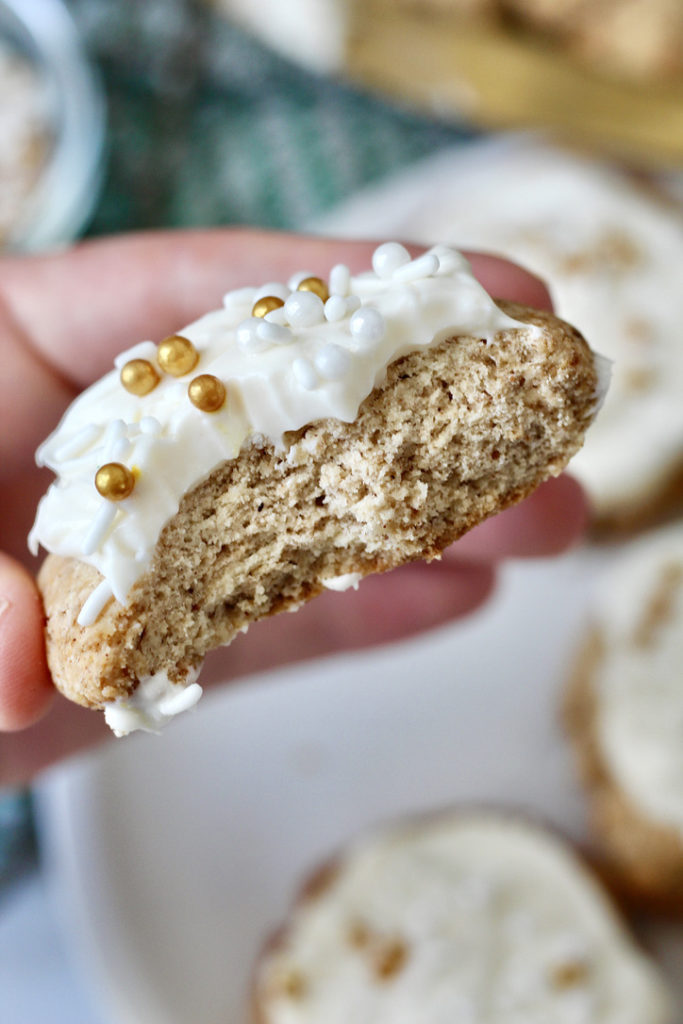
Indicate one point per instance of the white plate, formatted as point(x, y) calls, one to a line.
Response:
point(174, 858)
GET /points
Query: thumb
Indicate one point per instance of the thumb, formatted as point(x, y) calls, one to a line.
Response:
point(25, 685)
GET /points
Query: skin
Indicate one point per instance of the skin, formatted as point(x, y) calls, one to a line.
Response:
point(63, 317)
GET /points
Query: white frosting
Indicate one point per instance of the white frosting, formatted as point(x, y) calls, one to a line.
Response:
point(346, 581)
point(612, 255)
point(639, 683)
point(152, 705)
point(491, 922)
point(278, 375)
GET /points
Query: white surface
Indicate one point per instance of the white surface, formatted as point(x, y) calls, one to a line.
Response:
point(174, 858)
point(38, 982)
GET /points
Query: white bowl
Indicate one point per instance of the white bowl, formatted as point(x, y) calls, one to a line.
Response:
point(68, 184)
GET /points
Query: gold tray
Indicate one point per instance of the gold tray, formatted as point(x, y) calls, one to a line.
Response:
point(498, 78)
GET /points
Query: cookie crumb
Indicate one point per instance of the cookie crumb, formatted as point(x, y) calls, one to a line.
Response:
point(568, 973)
point(388, 958)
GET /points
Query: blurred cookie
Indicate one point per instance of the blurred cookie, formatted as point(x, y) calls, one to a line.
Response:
point(458, 918)
point(625, 715)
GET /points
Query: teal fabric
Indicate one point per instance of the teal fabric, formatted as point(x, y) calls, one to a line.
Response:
point(207, 127)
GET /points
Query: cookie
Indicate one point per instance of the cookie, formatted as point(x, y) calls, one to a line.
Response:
point(624, 711)
point(238, 469)
point(611, 251)
point(463, 917)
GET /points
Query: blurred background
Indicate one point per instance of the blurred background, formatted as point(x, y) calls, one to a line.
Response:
point(550, 131)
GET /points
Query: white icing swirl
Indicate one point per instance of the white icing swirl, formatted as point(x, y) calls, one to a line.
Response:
point(279, 376)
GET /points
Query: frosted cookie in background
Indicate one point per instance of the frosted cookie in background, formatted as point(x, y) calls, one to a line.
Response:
point(611, 251)
point(624, 710)
point(461, 917)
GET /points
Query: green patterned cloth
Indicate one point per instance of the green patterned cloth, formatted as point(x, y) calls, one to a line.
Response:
point(209, 127)
point(206, 126)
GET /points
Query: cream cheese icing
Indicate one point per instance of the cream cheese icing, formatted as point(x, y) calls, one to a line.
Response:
point(639, 681)
point(152, 705)
point(475, 919)
point(303, 361)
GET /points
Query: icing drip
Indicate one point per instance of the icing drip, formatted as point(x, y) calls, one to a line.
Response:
point(152, 705)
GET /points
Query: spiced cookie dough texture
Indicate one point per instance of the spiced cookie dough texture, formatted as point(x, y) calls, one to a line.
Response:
point(301, 437)
point(469, 916)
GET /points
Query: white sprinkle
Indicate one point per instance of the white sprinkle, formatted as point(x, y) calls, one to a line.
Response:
point(347, 581)
point(118, 450)
point(280, 291)
point(99, 528)
point(332, 361)
point(304, 309)
point(450, 260)
point(93, 605)
point(352, 303)
point(115, 429)
point(424, 266)
point(239, 296)
point(150, 425)
point(115, 432)
point(296, 279)
point(274, 334)
point(340, 280)
point(335, 308)
point(276, 316)
point(367, 325)
point(247, 338)
point(305, 373)
point(387, 258)
point(143, 350)
point(79, 443)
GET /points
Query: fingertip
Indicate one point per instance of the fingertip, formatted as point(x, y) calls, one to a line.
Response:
point(26, 689)
point(506, 280)
point(550, 521)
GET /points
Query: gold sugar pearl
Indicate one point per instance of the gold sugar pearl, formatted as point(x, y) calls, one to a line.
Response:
point(177, 355)
point(315, 285)
point(139, 377)
point(114, 481)
point(266, 304)
point(207, 392)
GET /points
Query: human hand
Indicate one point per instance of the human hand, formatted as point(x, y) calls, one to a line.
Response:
point(63, 318)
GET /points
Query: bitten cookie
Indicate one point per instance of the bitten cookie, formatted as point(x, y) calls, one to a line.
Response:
point(461, 918)
point(300, 438)
point(625, 712)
